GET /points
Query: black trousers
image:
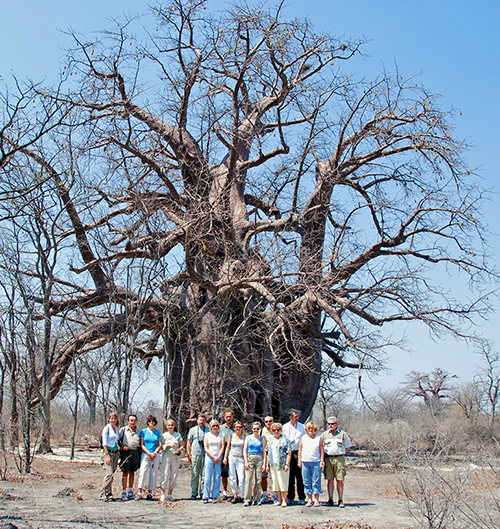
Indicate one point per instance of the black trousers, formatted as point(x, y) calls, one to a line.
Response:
point(295, 475)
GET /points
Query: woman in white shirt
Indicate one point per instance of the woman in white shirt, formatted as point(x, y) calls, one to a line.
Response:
point(214, 444)
point(234, 457)
point(172, 444)
point(110, 436)
point(311, 461)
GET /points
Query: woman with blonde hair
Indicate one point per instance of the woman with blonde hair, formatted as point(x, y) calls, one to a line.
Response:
point(110, 436)
point(172, 444)
point(214, 444)
point(234, 458)
point(311, 461)
point(254, 454)
point(279, 451)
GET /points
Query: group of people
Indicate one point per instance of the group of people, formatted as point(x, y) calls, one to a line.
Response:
point(136, 449)
point(226, 461)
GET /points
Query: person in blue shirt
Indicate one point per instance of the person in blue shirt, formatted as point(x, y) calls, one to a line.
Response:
point(151, 446)
point(255, 457)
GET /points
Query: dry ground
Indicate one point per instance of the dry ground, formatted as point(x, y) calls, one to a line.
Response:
point(63, 494)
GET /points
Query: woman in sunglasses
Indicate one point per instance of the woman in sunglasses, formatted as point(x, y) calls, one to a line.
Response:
point(150, 445)
point(255, 456)
point(279, 452)
point(234, 458)
point(214, 444)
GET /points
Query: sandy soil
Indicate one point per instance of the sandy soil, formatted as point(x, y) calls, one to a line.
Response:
point(63, 494)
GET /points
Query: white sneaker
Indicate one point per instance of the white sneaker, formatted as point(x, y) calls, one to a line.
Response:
point(162, 498)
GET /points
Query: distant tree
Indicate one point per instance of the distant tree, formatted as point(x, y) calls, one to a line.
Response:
point(390, 405)
point(238, 204)
point(470, 398)
point(432, 387)
point(489, 374)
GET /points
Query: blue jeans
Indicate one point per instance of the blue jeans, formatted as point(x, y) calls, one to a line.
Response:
point(311, 474)
point(212, 471)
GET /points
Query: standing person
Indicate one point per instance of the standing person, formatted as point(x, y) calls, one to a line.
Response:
point(268, 434)
point(227, 430)
point(234, 459)
point(311, 461)
point(130, 455)
point(279, 452)
point(150, 445)
point(293, 431)
point(337, 444)
point(110, 436)
point(214, 443)
point(172, 444)
point(196, 455)
point(254, 454)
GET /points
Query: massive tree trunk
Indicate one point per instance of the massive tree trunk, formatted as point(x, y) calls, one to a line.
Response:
point(224, 358)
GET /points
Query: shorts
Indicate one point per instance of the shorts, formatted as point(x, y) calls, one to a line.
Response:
point(335, 467)
point(130, 460)
point(224, 471)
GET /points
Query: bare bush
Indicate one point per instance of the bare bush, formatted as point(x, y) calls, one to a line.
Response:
point(462, 497)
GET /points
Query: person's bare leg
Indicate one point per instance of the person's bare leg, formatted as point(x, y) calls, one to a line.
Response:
point(331, 488)
point(340, 489)
point(284, 495)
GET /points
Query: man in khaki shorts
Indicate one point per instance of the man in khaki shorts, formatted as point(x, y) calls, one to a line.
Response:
point(336, 445)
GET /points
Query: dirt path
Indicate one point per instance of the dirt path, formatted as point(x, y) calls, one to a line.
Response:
point(62, 494)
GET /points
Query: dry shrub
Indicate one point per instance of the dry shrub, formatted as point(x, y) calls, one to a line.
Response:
point(462, 496)
point(447, 434)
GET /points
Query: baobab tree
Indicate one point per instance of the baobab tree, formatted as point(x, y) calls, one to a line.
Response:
point(432, 387)
point(240, 205)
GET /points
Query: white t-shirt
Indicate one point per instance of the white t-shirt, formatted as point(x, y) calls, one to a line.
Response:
point(214, 443)
point(310, 449)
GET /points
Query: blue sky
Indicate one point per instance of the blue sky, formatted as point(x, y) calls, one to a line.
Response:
point(453, 44)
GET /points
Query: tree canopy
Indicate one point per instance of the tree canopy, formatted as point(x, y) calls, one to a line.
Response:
point(218, 190)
